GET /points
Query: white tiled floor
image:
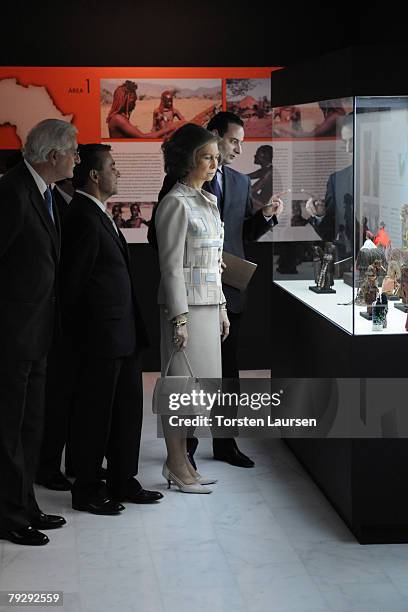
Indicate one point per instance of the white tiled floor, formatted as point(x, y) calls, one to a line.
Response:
point(266, 540)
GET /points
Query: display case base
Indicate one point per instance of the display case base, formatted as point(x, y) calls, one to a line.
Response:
point(316, 289)
point(402, 307)
point(364, 479)
point(368, 491)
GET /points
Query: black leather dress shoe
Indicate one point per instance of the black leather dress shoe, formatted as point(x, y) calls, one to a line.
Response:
point(26, 535)
point(135, 494)
point(233, 456)
point(98, 506)
point(56, 482)
point(47, 521)
point(142, 496)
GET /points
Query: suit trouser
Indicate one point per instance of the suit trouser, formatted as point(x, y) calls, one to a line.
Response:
point(230, 383)
point(106, 422)
point(22, 386)
point(229, 348)
point(61, 373)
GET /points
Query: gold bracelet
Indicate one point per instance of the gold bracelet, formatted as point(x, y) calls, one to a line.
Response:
point(179, 322)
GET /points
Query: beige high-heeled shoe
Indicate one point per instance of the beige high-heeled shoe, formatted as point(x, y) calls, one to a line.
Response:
point(171, 478)
point(204, 480)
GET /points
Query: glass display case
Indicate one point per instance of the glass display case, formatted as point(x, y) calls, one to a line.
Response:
point(341, 246)
point(341, 166)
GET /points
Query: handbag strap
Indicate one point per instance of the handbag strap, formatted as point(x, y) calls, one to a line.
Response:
point(171, 359)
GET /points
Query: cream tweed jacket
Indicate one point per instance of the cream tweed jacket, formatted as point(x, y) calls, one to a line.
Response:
point(190, 237)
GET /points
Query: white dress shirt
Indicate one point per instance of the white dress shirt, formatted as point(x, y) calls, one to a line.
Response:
point(39, 181)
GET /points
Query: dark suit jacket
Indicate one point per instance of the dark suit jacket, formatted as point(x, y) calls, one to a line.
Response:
point(99, 305)
point(240, 223)
point(29, 255)
point(60, 203)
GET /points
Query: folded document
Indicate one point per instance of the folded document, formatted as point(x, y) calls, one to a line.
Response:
point(238, 272)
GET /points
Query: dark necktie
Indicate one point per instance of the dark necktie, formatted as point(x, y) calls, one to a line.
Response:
point(216, 190)
point(48, 202)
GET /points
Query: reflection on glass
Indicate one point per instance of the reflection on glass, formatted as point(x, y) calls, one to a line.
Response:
point(314, 240)
point(342, 245)
point(381, 196)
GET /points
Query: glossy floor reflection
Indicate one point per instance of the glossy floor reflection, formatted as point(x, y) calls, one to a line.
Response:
point(266, 540)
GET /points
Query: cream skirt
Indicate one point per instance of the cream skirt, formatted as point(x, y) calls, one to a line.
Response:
point(203, 346)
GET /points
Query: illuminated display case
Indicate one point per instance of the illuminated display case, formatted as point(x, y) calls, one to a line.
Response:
point(340, 138)
point(340, 164)
point(342, 243)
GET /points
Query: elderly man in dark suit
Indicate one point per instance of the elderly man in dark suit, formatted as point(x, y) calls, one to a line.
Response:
point(241, 224)
point(102, 318)
point(29, 255)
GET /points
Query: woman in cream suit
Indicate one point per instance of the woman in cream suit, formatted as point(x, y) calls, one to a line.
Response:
point(193, 313)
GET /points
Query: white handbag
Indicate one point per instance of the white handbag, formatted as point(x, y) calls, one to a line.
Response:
point(169, 389)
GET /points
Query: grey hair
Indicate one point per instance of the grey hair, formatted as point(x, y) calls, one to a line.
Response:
point(48, 135)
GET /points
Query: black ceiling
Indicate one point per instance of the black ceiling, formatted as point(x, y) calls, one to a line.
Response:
point(185, 32)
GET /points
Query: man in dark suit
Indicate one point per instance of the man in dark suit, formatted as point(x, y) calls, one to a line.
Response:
point(241, 224)
point(58, 392)
point(102, 318)
point(29, 255)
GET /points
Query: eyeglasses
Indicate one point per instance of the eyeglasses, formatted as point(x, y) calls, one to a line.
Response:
point(73, 150)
